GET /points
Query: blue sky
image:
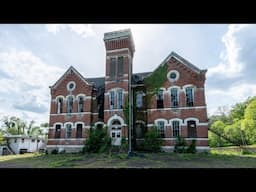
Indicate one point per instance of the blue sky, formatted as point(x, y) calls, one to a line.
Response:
point(33, 57)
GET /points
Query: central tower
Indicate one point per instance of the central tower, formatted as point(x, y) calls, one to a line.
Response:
point(119, 56)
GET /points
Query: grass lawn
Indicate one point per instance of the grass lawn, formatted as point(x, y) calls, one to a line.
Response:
point(216, 158)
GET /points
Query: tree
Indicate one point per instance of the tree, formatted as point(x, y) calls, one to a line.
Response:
point(2, 140)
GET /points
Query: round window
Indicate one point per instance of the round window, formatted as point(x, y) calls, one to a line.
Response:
point(173, 75)
point(71, 86)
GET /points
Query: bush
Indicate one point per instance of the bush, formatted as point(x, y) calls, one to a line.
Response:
point(180, 146)
point(192, 147)
point(152, 141)
point(98, 141)
point(54, 151)
point(124, 145)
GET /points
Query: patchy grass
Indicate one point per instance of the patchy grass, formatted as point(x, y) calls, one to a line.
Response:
point(231, 157)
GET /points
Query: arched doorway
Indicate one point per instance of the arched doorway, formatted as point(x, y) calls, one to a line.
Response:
point(116, 132)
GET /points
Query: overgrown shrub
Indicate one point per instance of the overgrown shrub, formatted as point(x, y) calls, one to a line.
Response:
point(152, 141)
point(192, 147)
point(98, 141)
point(124, 145)
point(180, 145)
point(54, 151)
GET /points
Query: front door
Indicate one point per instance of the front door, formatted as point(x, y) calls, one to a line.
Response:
point(116, 136)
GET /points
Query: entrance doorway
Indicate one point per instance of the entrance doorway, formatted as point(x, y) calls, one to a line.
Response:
point(116, 132)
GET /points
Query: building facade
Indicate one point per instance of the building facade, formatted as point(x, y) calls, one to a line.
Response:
point(177, 109)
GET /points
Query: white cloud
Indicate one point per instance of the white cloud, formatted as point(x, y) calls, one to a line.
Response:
point(84, 30)
point(28, 86)
point(230, 65)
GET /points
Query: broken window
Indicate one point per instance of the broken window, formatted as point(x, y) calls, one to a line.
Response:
point(174, 97)
point(57, 131)
point(80, 104)
point(79, 130)
point(175, 128)
point(160, 128)
point(189, 97)
point(68, 130)
point(59, 105)
point(120, 66)
point(120, 99)
point(70, 104)
point(160, 99)
point(112, 99)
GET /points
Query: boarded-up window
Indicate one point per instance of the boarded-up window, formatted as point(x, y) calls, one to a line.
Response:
point(80, 104)
point(120, 66)
point(192, 133)
point(189, 97)
point(113, 67)
point(79, 131)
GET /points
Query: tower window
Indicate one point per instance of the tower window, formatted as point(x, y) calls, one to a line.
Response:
point(120, 66)
point(113, 67)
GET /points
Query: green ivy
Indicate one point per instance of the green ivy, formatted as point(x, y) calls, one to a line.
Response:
point(155, 81)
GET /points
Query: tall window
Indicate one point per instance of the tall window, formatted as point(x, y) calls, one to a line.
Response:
point(59, 105)
point(113, 67)
point(57, 131)
point(192, 129)
point(189, 97)
point(80, 104)
point(70, 104)
point(112, 99)
point(160, 99)
point(160, 128)
point(175, 128)
point(120, 66)
point(79, 130)
point(174, 97)
point(120, 99)
point(139, 100)
point(68, 130)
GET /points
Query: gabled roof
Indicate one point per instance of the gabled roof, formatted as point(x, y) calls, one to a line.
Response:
point(184, 62)
point(71, 68)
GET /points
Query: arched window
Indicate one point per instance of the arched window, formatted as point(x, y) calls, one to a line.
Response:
point(120, 99)
point(70, 104)
point(192, 129)
point(57, 131)
point(190, 96)
point(79, 130)
point(59, 105)
point(160, 99)
point(175, 128)
point(139, 99)
point(174, 97)
point(80, 104)
point(161, 129)
point(68, 130)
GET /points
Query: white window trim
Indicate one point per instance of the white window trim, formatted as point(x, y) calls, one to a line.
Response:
point(178, 93)
point(79, 122)
point(140, 121)
point(191, 119)
point(115, 117)
point(57, 123)
point(81, 95)
point(60, 96)
point(164, 92)
point(177, 75)
point(180, 124)
point(99, 122)
point(65, 124)
point(71, 96)
point(69, 84)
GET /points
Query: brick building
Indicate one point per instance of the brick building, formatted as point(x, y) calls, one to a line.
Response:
point(79, 103)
